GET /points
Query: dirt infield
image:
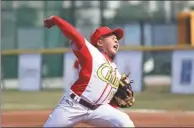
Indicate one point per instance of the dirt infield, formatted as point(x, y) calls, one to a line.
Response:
point(149, 119)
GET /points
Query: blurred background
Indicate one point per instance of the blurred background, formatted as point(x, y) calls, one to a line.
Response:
point(146, 23)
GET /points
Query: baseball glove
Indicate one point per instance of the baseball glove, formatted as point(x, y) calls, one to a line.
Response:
point(124, 96)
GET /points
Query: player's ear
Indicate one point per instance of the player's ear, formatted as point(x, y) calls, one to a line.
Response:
point(99, 43)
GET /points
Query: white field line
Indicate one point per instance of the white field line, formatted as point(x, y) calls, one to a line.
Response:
point(155, 111)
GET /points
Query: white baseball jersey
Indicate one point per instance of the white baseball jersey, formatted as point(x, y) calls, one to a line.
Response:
point(98, 77)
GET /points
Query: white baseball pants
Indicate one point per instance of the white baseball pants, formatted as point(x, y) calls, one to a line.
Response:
point(70, 113)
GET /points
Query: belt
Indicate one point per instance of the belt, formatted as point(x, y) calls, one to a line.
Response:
point(85, 103)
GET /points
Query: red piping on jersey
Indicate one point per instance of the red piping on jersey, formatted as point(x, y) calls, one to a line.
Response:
point(107, 95)
point(108, 59)
point(82, 53)
point(109, 91)
point(102, 93)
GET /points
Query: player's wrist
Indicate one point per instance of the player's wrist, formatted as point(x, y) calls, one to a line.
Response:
point(54, 18)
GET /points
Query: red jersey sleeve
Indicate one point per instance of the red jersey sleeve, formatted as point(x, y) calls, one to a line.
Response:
point(70, 32)
point(76, 64)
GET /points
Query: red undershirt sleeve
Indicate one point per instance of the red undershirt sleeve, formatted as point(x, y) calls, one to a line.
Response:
point(78, 43)
point(70, 32)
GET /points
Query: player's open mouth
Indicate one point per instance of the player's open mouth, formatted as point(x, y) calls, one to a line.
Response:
point(115, 47)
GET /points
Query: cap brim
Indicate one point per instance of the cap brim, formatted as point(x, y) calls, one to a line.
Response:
point(118, 33)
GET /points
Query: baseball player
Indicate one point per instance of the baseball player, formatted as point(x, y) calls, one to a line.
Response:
point(88, 98)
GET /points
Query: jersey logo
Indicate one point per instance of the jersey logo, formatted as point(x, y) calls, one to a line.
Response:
point(105, 73)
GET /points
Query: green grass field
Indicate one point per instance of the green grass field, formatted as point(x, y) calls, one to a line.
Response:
point(150, 98)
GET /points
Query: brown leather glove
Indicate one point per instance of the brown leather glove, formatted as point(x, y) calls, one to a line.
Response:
point(124, 96)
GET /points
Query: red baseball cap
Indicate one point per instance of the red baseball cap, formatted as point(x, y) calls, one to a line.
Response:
point(101, 31)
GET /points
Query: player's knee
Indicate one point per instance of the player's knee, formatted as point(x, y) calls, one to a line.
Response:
point(125, 121)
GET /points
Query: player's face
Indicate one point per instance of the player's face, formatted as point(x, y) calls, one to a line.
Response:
point(110, 44)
